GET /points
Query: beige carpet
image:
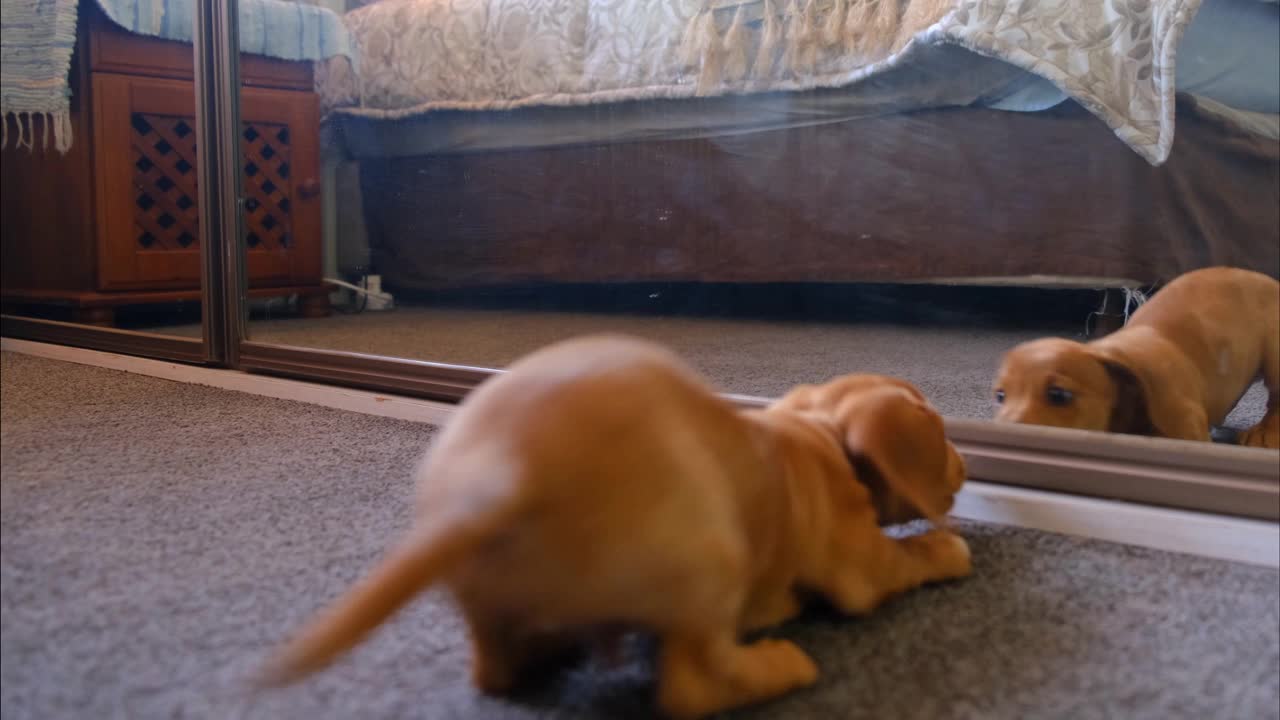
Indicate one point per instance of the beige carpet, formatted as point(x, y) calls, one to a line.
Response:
point(157, 538)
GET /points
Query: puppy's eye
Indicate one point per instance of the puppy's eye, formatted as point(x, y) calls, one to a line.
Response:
point(999, 397)
point(1059, 396)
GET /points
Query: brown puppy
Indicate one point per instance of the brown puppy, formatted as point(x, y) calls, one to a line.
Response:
point(601, 484)
point(1179, 366)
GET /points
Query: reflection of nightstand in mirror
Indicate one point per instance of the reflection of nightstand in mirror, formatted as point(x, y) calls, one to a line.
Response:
point(114, 221)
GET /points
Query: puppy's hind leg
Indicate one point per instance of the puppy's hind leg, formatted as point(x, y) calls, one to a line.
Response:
point(704, 669)
point(1266, 433)
point(506, 657)
point(709, 671)
point(496, 661)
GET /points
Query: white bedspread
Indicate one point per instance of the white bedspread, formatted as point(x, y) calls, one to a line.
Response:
point(1116, 57)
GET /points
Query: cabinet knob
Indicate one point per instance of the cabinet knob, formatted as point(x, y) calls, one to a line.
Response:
point(309, 188)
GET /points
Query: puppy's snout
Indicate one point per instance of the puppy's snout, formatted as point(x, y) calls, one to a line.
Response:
point(1012, 412)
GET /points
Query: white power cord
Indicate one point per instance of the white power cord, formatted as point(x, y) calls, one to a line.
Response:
point(376, 299)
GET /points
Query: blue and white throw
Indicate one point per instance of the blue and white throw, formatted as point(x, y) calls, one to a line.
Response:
point(284, 29)
point(36, 41)
point(38, 36)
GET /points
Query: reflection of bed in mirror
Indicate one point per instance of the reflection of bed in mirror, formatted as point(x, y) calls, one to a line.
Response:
point(947, 166)
point(870, 200)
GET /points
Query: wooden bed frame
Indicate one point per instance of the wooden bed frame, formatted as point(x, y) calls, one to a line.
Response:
point(935, 195)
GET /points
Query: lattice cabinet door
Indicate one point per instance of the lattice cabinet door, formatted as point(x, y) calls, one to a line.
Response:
point(145, 175)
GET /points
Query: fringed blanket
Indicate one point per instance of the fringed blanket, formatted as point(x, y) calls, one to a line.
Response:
point(36, 41)
point(37, 37)
point(1116, 57)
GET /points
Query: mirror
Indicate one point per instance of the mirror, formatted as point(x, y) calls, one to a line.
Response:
point(786, 191)
point(100, 208)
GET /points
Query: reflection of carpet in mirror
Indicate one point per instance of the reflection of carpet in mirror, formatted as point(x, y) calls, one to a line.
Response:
point(952, 365)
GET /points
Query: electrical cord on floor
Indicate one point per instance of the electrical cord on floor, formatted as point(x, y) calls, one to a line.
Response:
point(360, 291)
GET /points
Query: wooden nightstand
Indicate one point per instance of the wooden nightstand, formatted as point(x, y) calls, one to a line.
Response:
point(115, 221)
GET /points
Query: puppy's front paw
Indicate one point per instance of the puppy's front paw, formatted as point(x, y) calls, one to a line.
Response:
point(949, 555)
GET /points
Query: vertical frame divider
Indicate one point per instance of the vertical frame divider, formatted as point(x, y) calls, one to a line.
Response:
point(224, 289)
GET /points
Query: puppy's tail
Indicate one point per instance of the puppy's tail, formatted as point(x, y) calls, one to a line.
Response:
point(420, 560)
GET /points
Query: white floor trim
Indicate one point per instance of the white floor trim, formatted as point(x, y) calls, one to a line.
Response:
point(361, 401)
point(1222, 537)
point(1216, 536)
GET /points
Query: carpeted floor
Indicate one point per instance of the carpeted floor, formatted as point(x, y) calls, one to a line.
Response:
point(952, 363)
point(157, 538)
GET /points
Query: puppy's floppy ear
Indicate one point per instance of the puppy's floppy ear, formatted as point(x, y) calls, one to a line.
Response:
point(829, 395)
point(1131, 411)
point(898, 448)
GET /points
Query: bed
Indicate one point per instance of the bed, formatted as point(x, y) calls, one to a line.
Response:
point(509, 141)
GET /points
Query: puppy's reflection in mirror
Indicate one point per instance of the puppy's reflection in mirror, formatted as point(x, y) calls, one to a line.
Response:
point(1175, 370)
